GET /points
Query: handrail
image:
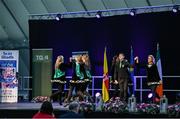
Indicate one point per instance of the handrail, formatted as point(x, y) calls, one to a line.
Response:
point(94, 78)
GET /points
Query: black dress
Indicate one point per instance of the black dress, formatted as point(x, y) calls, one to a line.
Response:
point(77, 80)
point(77, 76)
point(153, 77)
point(59, 75)
point(59, 80)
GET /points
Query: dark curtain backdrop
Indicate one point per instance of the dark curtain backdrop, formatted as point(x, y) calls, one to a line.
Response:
point(117, 33)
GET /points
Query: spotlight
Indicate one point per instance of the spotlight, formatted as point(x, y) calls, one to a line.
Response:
point(58, 17)
point(98, 14)
point(97, 94)
point(150, 95)
point(175, 9)
point(133, 12)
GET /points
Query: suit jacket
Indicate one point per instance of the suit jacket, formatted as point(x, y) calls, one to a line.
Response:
point(121, 72)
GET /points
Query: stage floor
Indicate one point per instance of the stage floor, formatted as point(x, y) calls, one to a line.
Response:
point(28, 106)
point(28, 109)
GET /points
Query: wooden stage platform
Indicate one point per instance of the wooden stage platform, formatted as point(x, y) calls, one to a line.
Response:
point(27, 110)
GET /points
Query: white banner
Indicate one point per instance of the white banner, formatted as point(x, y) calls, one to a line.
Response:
point(8, 82)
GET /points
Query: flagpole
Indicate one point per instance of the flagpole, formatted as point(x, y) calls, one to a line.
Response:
point(105, 82)
point(159, 88)
point(132, 72)
point(157, 46)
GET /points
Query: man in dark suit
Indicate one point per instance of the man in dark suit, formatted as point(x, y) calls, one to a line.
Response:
point(114, 82)
point(121, 75)
point(73, 111)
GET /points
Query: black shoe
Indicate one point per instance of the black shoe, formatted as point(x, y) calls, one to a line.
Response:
point(66, 104)
point(91, 99)
point(51, 100)
point(60, 103)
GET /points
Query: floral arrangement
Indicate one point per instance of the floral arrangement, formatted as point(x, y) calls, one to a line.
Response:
point(174, 110)
point(40, 99)
point(148, 108)
point(115, 105)
point(86, 107)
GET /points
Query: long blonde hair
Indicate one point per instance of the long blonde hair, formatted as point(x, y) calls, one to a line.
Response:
point(86, 61)
point(59, 60)
point(78, 58)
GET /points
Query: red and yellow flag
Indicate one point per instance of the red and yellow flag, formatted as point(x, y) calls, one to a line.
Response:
point(105, 83)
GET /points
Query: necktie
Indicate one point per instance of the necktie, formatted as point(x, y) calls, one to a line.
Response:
point(120, 65)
